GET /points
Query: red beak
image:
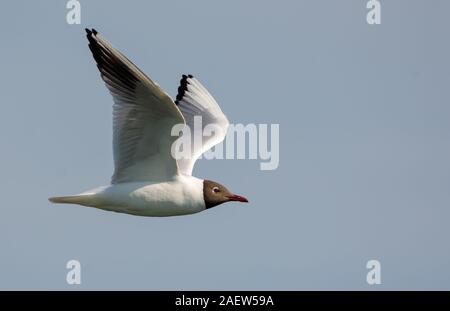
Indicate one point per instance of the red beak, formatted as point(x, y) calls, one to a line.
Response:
point(239, 198)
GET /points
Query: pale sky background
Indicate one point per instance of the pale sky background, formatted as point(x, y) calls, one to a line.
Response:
point(364, 149)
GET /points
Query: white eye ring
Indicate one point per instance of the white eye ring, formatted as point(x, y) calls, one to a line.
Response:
point(215, 189)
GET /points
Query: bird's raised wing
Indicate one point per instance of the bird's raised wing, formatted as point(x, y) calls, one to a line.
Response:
point(194, 100)
point(143, 117)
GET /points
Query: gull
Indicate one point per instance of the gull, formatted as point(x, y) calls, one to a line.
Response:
point(147, 179)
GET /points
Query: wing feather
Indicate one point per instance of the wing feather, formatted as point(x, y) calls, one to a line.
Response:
point(143, 116)
point(194, 100)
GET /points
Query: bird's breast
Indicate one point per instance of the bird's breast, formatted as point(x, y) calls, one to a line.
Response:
point(178, 197)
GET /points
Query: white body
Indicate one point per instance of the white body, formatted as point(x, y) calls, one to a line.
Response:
point(181, 196)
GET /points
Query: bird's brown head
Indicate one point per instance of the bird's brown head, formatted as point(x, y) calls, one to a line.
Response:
point(215, 194)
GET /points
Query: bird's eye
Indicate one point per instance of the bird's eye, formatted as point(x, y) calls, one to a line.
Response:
point(215, 189)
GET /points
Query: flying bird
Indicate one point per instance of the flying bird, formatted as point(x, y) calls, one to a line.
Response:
point(147, 179)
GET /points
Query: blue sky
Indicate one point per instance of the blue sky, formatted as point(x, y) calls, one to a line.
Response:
point(364, 145)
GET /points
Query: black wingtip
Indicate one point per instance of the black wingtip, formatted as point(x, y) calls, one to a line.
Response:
point(187, 76)
point(90, 32)
point(183, 87)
